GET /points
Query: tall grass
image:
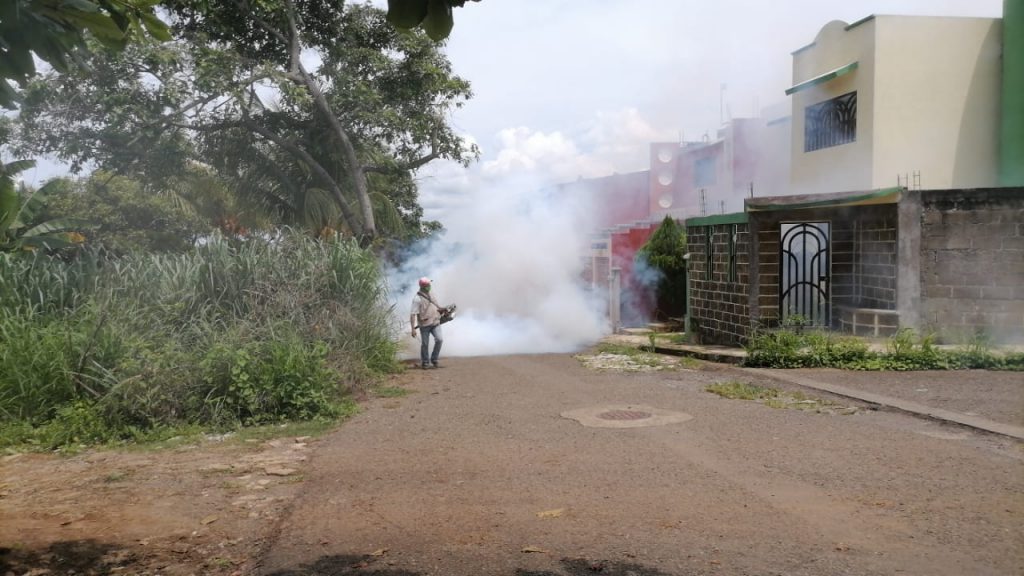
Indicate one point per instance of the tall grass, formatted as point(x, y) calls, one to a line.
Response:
point(227, 334)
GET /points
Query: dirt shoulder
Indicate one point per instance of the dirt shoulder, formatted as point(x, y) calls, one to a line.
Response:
point(204, 508)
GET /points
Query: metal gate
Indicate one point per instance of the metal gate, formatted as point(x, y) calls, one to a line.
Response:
point(804, 273)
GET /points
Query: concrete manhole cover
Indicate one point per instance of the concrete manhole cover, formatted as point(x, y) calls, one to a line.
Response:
point(624, 415)
point(628, 416)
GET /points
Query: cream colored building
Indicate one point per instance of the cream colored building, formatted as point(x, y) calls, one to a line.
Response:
point(891, 100)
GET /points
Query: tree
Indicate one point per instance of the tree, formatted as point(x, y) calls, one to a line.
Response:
point(123, 217)
point(435, 16)
point(666, 251)
point(53, 30)
point(237, 94)
point(21, 208)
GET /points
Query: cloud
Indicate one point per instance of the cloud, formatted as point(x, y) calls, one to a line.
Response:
point(608, 142)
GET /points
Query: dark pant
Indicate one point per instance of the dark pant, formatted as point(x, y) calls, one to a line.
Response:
point(425, 333)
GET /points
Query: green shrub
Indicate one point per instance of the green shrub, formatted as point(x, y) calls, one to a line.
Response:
point(785, 348)
point(261, 382)
point(243, 333)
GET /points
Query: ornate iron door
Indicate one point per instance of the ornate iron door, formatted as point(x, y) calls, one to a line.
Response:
point(804, 273)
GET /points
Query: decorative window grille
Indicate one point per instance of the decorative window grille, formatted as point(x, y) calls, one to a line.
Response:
point(831, 123)
point(710, 250)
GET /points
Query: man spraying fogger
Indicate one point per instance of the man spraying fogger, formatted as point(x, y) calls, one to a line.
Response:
point(428, 315)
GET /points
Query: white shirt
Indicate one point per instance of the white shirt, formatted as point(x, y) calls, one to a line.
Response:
point(425, 312)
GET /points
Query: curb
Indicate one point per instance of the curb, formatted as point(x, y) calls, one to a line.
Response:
point(700, 353)
point(906, 406)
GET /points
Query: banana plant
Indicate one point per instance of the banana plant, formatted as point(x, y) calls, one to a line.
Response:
point(20, 208)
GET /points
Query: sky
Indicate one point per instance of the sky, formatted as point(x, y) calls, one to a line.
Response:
point(578, 88)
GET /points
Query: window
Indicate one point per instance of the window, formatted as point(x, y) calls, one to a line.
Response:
point(733, 232)
point(704, 172)
point(709, 249)
point(831, 123)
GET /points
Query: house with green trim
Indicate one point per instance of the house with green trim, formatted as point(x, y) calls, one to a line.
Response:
point(906, 204)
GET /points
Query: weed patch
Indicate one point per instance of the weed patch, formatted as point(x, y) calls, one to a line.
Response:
point(390, 392)
point(736, 390)
point(775, 398)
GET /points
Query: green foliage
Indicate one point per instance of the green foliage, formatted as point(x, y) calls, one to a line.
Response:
point(666, 247)
point(259, 382)
point(734, 389)
point(228, 334)
point(796, 321)
point(54, 30)
point(335, 151)
point(774, 398)
point(119, 215)
point(665, 251)
point(21, 208)
point(619, 349)
point(905, 350)
point(391, 391)
point(435, 16)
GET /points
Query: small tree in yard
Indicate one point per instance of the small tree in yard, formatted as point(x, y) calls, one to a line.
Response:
point(665, 252)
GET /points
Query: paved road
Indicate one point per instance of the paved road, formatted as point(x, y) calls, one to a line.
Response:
point(451, 479)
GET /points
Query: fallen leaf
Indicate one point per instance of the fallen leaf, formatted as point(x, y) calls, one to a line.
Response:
point(380, 552)
point(716, 562)
point(551, 513)
point(842, 547)
point(209, 519)
point(534, 550)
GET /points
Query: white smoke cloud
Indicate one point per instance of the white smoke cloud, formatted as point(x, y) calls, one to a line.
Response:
point(511, 260)
point(513, 251)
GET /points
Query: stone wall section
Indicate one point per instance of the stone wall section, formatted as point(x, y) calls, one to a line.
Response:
point(972, 263)
point(719, 312)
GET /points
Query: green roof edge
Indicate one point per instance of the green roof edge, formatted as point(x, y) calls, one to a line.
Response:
point(717, 219)
point(825, 203)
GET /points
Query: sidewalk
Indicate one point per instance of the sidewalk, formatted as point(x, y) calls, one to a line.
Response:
point(979, 399)
point(989, 401)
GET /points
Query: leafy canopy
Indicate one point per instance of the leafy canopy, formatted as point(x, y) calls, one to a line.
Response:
point(55, 30)
point(334, 147)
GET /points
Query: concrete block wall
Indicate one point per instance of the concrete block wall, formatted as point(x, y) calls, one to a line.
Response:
point(719, 312)
point(876, 259)
point(972, 263)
